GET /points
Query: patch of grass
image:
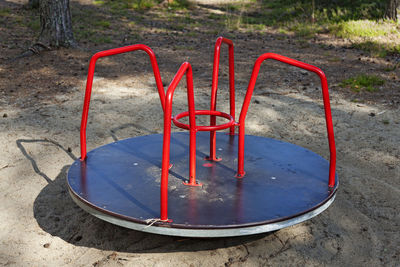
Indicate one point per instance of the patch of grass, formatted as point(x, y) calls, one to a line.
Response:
point(280, 12)
point(232, 6)
point(334, 59)
point(119, 11)
point(232, 23)
point(82, 33)
point(4, 12)
point(102, 24)
point(378, 49)
point(192, 34)
point(180, 5)
point(362, 28)
point(93, 36)
point(214, 32)
point(283, 31)
point(118, 6)
point(21, 21)
point(363, 82)
point(304, 30)
point(34, 24)
point(392, 68)
point(179, 27)
point(183, 47)
point(98, 39)
point(303, 43)
point(214, 16)
point(91, 26)
point(344, 18)
point(188, 19)
point(131, 24)
point(333, 11)
point(258, 27)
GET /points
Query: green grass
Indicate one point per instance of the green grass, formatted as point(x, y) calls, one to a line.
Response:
point(180, 5)
point(82, 34)
point(102, 24)
point(392, 67)
point(4, 12)
point(378, 49)
point(34, 24)
point(183, 47)
point(357, 20)
point(332, 11)
point(363, 28)
point(92, 36)
point(98, 39)
point(304, 30)
point(120, 6)
point(192, 34)
point(363, 82)
point(214, 16)
point(91, 26)
point(334, 59)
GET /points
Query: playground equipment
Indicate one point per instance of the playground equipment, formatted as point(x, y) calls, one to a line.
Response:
point(199, 185)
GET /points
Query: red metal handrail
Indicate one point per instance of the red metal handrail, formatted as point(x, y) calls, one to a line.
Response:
point(325, 95)
point(214, 88)
point(89, 83)
point(185, 68)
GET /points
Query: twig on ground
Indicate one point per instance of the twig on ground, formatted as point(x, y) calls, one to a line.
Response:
point(5, 166)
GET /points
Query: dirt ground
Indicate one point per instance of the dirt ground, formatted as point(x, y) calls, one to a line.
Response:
point(40, 108)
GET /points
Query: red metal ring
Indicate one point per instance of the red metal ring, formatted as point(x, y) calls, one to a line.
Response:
point(179, 124)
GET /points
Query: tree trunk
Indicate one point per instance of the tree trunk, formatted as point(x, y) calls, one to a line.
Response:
point(391, 9)
point(55, 23)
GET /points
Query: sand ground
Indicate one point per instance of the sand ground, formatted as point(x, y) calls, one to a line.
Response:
point(39, 139)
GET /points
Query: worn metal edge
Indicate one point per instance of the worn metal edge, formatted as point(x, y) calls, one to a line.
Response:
point(203, 233)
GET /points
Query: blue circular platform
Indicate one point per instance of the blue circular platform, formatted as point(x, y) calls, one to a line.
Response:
point(284, 184)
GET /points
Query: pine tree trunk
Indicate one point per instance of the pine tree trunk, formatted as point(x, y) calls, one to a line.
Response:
point(55, 23)
point(391, 9)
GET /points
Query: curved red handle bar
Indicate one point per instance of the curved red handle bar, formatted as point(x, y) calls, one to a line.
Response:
point(325, 95)
point(214, 88)
point(185, 68)
point(89, 83)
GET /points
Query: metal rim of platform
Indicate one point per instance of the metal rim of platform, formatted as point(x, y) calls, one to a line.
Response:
point(203, 233)
point(177, 228)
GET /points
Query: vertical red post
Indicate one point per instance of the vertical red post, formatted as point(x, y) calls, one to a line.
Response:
point(165, 161)
point(232, 86)
point(214, 89)
point(325, 95)
point(192, 124)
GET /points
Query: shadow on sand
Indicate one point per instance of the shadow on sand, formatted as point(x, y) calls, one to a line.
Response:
point(59, 216)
